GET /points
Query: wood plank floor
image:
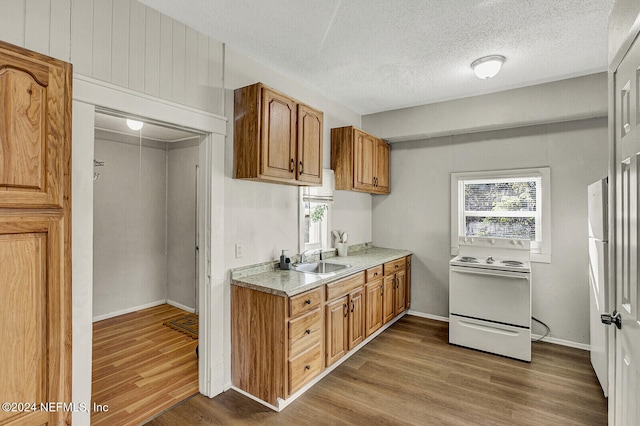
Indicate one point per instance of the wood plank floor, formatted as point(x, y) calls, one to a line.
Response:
point(140, 366)
point(410, 375)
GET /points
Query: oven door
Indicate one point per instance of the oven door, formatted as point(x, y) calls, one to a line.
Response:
point(489, 294)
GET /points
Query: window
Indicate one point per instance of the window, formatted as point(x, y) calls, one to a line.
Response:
point(315, 213)
point(503, 204)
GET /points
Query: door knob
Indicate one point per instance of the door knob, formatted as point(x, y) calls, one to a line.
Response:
point(614, 318)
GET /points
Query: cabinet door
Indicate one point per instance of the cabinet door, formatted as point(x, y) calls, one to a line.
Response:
point(382, 167)
point(373, 303)
point(388, 305)
point(337, 325)
point(35, 123)
point(309, 145)
point(356, 318)
point(364, 152)
point(400, 291)
point(278, 151)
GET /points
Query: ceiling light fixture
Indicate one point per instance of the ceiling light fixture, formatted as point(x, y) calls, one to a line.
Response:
point(487, 66)
point(134, 124)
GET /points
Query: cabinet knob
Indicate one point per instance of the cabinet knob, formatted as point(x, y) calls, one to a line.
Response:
point(375, 274)
point(307, 367)
point(307, 331)
point(307, 302)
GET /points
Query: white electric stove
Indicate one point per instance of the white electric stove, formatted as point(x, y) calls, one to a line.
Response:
point(490, 296)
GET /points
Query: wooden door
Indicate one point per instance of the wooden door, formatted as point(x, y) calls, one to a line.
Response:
point(388, 305)
point(627, 146)
point(278, 151)
point(309, 145)
point(399, 295)
point(35, 234)
point(382, 167)
point(336, 330)
point(373, 307)
point(356, 318)
point(364, 152)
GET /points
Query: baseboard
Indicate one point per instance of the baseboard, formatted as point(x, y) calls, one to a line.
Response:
point(562, 342)
point(128, 310)
point(548, 339)
point(180, 306)
point(428, 316)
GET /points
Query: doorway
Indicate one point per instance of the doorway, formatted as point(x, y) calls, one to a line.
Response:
point(146, 263)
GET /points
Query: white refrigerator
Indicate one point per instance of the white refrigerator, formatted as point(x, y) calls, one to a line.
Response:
point(598, 278)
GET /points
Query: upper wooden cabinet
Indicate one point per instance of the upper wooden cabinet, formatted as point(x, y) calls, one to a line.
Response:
point(35, 125)
point(360, 161)
point(276, 138)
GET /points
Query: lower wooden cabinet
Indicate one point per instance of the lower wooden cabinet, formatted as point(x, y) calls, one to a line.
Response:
point(279, 344)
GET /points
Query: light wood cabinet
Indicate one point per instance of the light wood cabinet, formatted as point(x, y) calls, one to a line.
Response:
point(373, 301)
point(279, 344)
point(35, 233)
point(394, 291)
point(360, 161)
point(345, 316)
point(276, 138)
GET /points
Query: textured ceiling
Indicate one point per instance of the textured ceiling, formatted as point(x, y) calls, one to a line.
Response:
point(378, 55)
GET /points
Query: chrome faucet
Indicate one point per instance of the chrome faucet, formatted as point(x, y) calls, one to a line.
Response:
point(308, 253)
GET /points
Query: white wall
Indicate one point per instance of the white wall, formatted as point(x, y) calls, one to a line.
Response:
point(122, 42)
point(129, 204)
point(182, 158)
point(416, 215)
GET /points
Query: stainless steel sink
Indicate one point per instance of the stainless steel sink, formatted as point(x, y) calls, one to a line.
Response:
point(318, 267)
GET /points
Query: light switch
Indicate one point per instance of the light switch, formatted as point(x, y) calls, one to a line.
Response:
point(239, 250)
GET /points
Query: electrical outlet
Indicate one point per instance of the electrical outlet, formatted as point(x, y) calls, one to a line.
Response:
point(239, 250)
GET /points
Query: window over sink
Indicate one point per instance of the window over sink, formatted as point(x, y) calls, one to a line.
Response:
point(503, 204)
point(315, 213)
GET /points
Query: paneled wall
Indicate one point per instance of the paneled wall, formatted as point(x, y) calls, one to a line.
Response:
point(122, 42)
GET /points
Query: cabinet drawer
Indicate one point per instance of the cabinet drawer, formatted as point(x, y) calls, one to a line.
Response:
point(304, 332)
point(345, 286)
point(374, 273)
point(304, 367)
point(305, 302)
point(395, 266)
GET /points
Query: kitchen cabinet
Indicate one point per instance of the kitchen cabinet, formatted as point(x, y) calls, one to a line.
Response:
point(360, 161)
point(277, 342)
point(344, 316)
point(281, 343)
point(276, 138)
point(373, 300)
point(394, 289)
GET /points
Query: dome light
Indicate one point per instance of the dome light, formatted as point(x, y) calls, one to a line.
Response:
point(134, 124)
point(487, 66)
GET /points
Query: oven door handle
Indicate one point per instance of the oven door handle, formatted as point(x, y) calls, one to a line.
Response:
point(501, 274)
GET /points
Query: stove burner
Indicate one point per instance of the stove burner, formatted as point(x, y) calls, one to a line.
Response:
point(468, 259)
point(514, 263)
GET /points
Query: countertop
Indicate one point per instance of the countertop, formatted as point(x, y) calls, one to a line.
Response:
point(290, 283)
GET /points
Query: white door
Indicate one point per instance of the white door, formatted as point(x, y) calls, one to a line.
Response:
point(627, 140)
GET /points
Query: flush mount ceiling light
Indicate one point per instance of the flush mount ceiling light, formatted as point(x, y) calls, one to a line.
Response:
point(487, 66)
point(134, 124)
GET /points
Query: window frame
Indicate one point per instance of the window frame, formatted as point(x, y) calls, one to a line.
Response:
point(325, 223)
point(540, 251)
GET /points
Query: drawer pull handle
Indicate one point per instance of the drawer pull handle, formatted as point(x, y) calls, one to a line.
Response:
point(353, 305)
point(292, 165)
point(301, 167)
point(307, 331)
point(346, 310)
point(307, 367)
point(307, 302)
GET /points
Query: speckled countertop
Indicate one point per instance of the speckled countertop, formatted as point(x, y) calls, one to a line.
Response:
point(290, 283)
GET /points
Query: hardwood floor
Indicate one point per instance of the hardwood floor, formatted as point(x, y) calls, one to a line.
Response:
point(410, 375)
point(140, 366)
